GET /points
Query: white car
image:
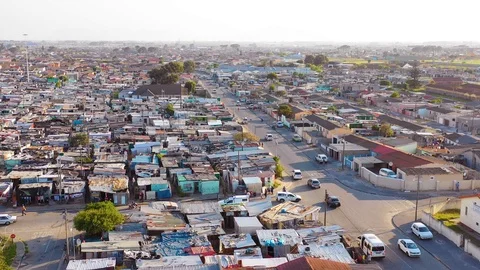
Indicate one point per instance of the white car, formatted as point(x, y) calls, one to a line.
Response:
point(6, 219)
point(279, 124)
point(269, 137)
point(409, 247)
point(288, 196)
point(387, 173)
point(297, 174)
point(421, 231)
point(321, 158)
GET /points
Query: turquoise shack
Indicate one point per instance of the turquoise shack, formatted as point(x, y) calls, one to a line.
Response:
point(199, 183)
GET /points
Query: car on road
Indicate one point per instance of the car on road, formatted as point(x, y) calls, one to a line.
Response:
point(409, 247)
point(313, 183)
point(238, 103)
point(297, 138)
point(387, 173)
point(269, 137)
point(279, 124)
point(321, 158)
point(6, 219)
point(284, 196)
point(421, 231)
point(333, 201)
point(297, 174)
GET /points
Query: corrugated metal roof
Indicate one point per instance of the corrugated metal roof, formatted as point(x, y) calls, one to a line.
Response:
point(305, 263)
point(91, 264)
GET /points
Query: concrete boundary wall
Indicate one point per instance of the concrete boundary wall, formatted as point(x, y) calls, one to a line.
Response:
point(425, 184)
point(472, 249)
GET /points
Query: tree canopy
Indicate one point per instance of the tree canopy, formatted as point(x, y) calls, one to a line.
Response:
point(166, 74)
point(246, 136)
point(414, 82)
point(97, 218)
point(170, 110)
point(395, 95)
point(386, 130)
point(79, 139)
point(286, 110)
point(189, 66)
point(272, 76)
point(190, 85)
point(317, 60)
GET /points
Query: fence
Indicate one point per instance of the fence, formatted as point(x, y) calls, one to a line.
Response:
point(425, 185)
point(442, 229)
point(471, 248)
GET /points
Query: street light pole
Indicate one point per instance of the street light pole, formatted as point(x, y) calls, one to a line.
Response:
point(343, 154)
point(325, 209)
point(28, 71)
point(67, 251)
point(416, 201)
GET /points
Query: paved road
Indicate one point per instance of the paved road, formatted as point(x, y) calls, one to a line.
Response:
point(43, 230)
point(360, 212)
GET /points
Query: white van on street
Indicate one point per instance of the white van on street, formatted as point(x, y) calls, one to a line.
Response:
point(237, 199)
point(371, 244)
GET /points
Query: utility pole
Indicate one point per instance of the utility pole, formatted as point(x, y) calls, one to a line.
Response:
point(416, 201)
point(343, 154)
point(325, 209)
point(28, 71)
point(67, 251)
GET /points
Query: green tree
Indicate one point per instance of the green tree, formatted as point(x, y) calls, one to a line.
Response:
point(272, 76)
point(320, 59)
point(189, 66)
point(190, 85)
point(245, 136)
point(215, 65)
point(309, 59)
point(395, 95)
point(115, 95)
point(152, 49)
point(279, 169)
point(280, 93)
point(170, 110)
point(97, 218)
point(166, 74)
point(286, 110)
point(415, 74)
point(385, 83)
point(332, 109)
point(386, 130)
point(79, 139)
point(58, 84)
point(142, 50)
point(437, 101)
point(271, 87)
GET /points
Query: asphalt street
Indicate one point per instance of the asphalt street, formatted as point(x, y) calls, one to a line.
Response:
point(360, 212)
point(43, 230)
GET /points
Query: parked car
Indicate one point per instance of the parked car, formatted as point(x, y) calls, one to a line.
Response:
point(321, 158)
point(269, 137)
point(387, 173)
point(297, 138)
point(421, 231)
point(297, 174)
point(288, 196)
point(409, 247)
point(313, 183)
point(279, 124)
point(6, 219)
point(237, 199)
point(333, 201)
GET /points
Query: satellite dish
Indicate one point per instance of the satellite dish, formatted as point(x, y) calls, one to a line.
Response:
point(390, 164)
point(79, 242)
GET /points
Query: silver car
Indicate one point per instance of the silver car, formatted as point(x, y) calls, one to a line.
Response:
point(6, 219)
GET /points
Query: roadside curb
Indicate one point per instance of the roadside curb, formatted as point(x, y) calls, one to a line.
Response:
point(20, 256)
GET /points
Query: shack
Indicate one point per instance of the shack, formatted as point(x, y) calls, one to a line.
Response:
point(289, 215)
point(278, 243)
point(247, 225)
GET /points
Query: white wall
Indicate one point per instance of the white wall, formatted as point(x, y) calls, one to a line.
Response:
point(471, 248)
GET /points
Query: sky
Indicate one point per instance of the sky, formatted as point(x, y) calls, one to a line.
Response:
point(241, 21)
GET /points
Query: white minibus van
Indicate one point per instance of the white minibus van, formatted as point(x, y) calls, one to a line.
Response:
point(371, 244)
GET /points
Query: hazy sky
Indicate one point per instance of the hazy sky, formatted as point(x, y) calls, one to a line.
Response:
point(245, 20)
